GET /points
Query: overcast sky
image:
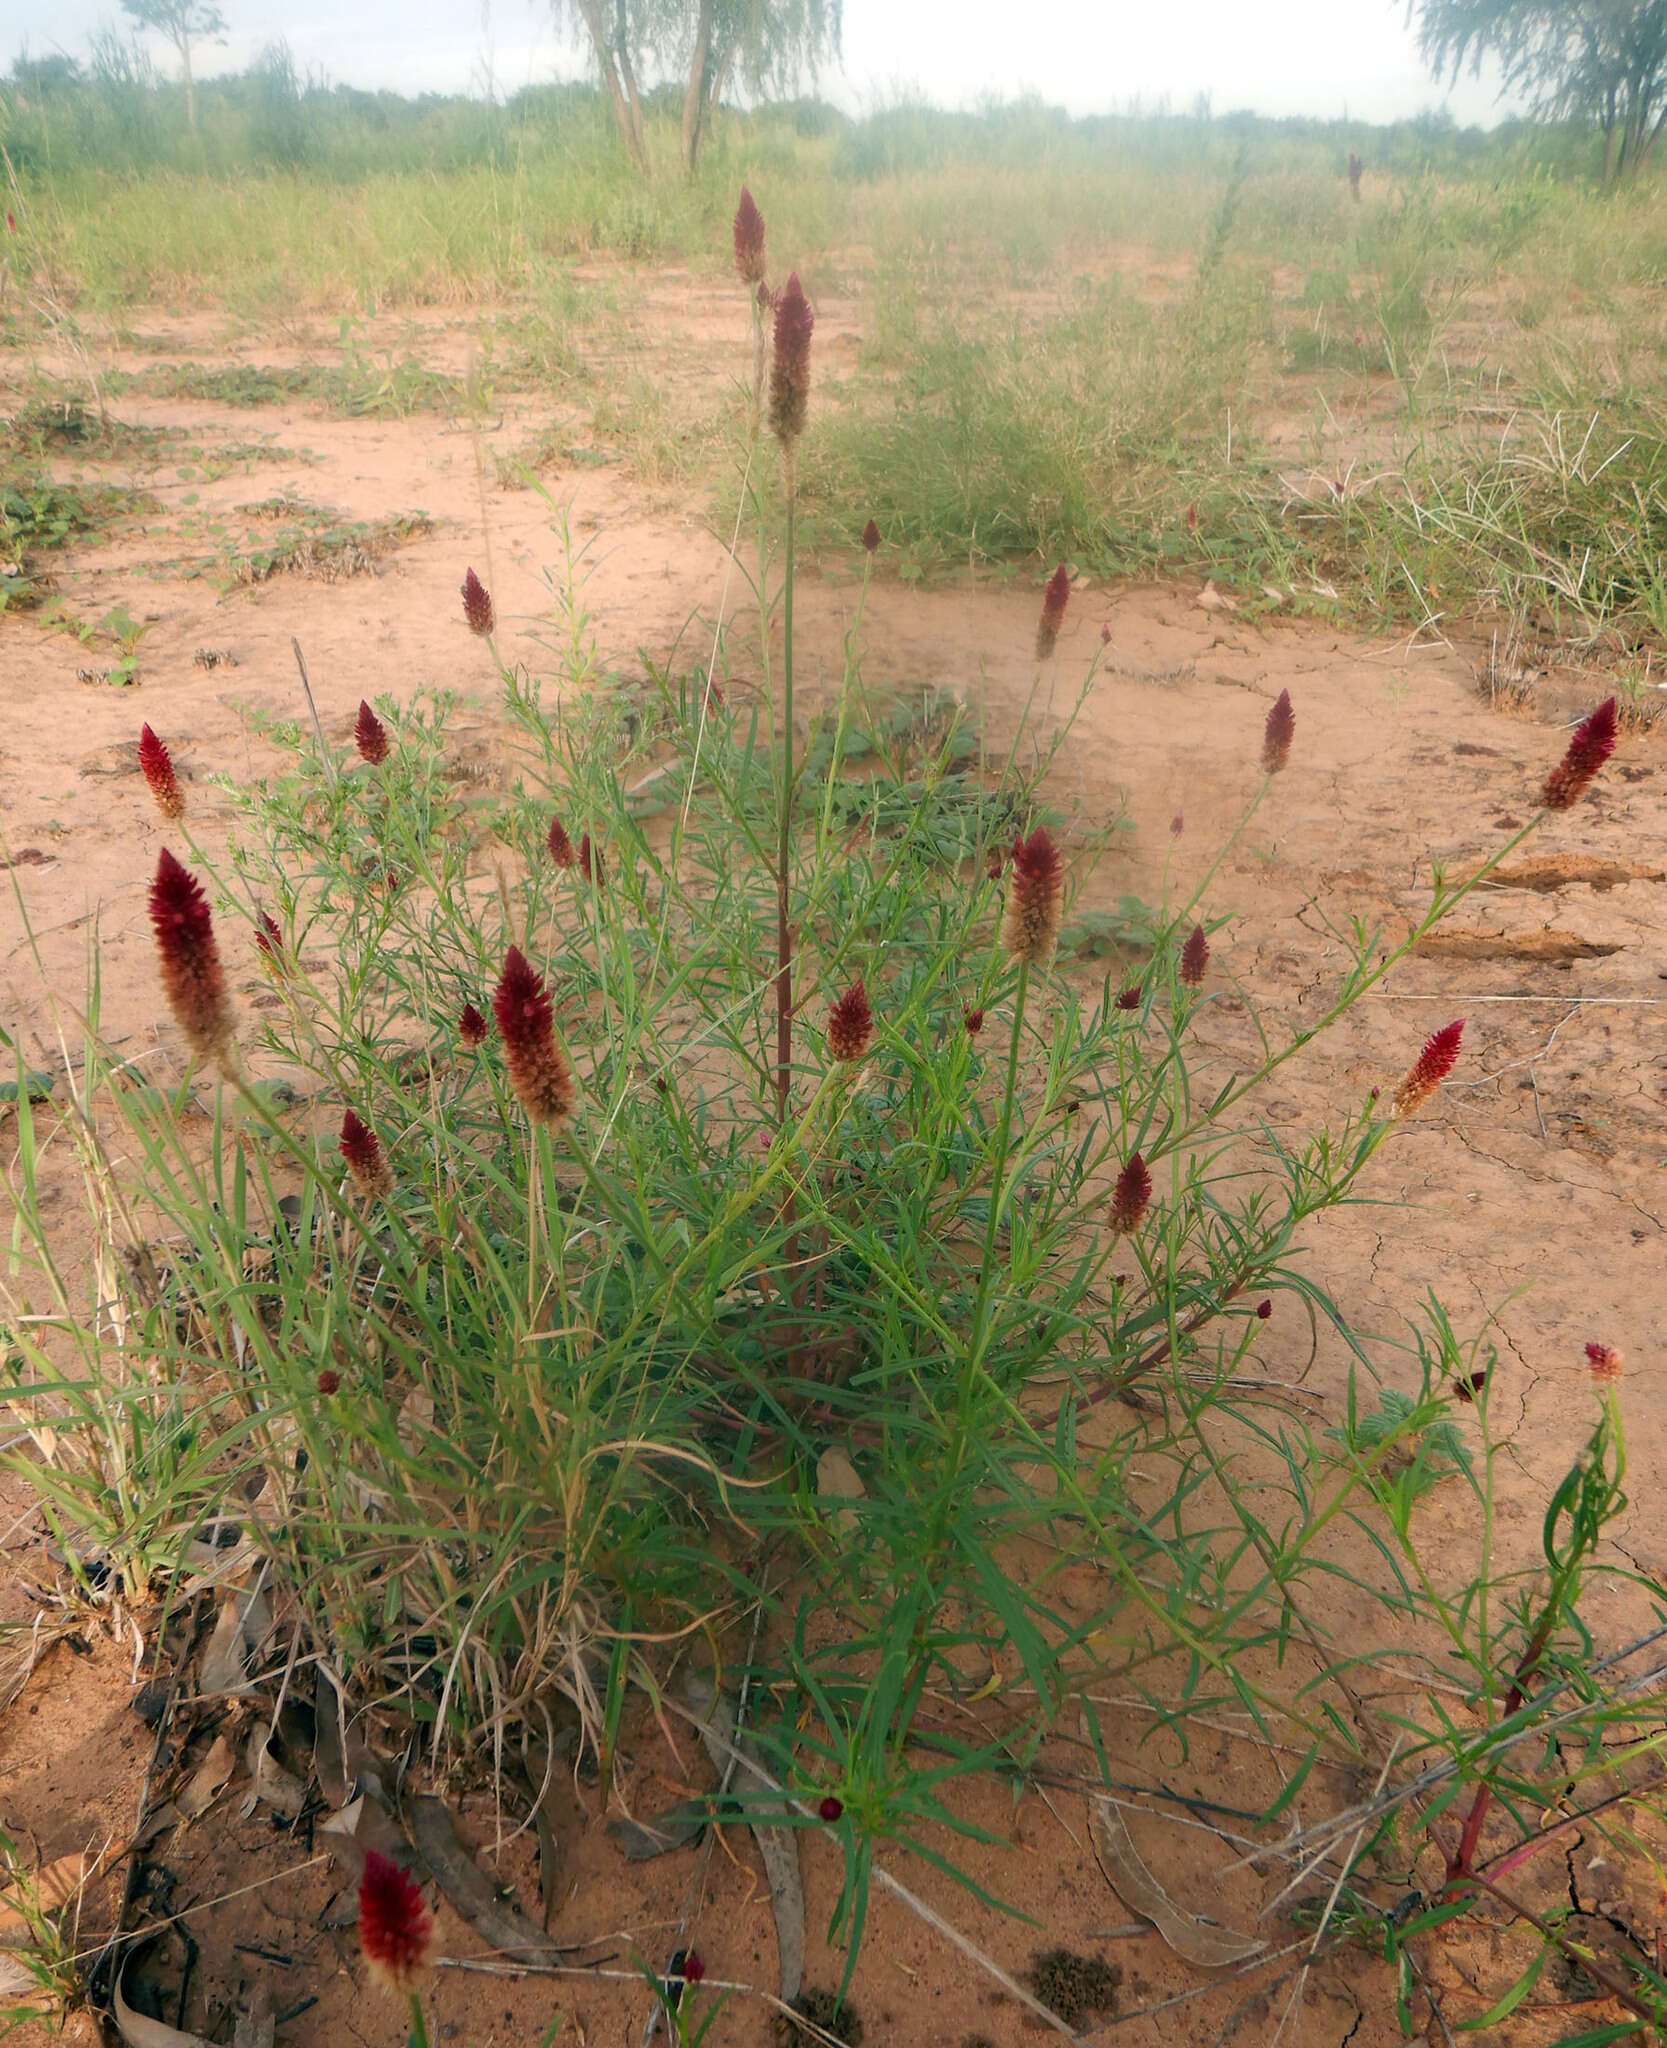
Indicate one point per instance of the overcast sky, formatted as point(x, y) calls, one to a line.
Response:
point(1320, 57)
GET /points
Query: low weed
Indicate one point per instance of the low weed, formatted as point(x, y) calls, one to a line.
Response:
point(673, 1228)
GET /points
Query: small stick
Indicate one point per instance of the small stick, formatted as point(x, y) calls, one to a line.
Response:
point(323, 751)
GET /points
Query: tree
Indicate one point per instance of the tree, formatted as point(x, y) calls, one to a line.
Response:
point(766, 44)
point(182, 22)
point(1602, 60)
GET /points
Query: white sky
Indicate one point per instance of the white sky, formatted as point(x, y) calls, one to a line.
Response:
point(1320, 57)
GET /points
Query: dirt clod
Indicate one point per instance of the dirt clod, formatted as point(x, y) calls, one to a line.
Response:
point(823, 2009)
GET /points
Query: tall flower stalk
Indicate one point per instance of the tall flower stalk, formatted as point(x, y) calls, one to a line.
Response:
point(789, 404)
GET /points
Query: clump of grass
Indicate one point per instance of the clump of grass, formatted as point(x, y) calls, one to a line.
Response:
point(40, 517)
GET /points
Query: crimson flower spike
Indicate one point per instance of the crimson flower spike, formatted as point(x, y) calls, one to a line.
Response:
point(1035, 900)
point(1278, 734)
point(471, 1026)
point(477, 603)
point(871, 536)
point(1054, 600)
point(1430, 1069)
point(790, 364)
point(370, 735)
point(396, 1928)
point(192, 977)
point(157, 765)
point(1590, 745)
point(561, 847)
point(270, 939)
point(538, 1070)
point(1604, 1362)
point(1195, 957)
point(590, 860)
point(850, 1023)
point(362, 1150)
point(1131, 1195)
point(749, 240)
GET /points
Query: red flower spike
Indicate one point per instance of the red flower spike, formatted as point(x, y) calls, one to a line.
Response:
point(157, 766)
point(749, 240)
point(1054, 600)
point(1471, 1385)
point(329, 1381)
point(850, 1023)
point(396, 1928)
point(1192, 518)
point(1177, 824)
point(1590, 745)
point(1130, 1197)
point(694, 1968)
point(1035, 900)
point(538, 1070)
point(477, 604)
point(192, 978)
point(790, 363)
point(1278, 734)
point(1264, 1309)
point(871, 536)
point(362, 1150)
point(1128, 998)
point(561, 847)
point(370, 735)
point(1195, 957)
point(471, 1026)
point(1604, 1362)
point(973, 1019)
point(1430, 1069)
point(590, 860)
point(831, 1808)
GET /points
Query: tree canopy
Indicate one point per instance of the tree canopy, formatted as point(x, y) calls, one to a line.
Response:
point(1602, 60)
point(183, 22)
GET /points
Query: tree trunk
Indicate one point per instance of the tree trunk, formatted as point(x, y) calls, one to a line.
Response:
point(694, 95)
point(627, 71)
point(190, 83)
point(590, 12)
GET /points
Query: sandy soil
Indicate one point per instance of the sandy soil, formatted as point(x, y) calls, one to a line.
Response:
point(1531, 1192)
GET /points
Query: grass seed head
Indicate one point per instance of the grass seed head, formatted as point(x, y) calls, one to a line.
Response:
point(157, 766)
point(370, 735)
point(1035, 900)
point(477, 604)
point(1430, 1069)
point(1278, 734)
point(790, 363)
point(362, 1150)
point(192, 977)
point(1590, 745)
point(1054, 600)
point(396, 1928)
point(538, 1070)
point(749, 240)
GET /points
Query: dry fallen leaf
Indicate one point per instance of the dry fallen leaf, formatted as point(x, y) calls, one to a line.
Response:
point(138, 2031)
point(500, 1923)
point(209, 1779)
point(838, 1479)
point(1197, 1940)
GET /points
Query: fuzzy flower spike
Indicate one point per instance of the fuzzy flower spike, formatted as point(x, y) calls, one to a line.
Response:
point(538, 1069)
point(1035, 900)
point(1590, 745)
point(157, 766)
point(1430, 1069)
point(192, 977)
point(1131, 1196)
point(362, 1150)
point(749, 240)
point(370, 735)
point(790, 364)
point(477, 604)
point(1054, 600)
point(396, 1928)
point(1278, 734)
point(850, 1023)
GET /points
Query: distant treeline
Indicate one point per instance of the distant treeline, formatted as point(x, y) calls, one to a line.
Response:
point(114, 111)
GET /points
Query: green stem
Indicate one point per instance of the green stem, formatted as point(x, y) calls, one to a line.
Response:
point(1004, 1131)
point(419, 2026)
point(784, 842)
